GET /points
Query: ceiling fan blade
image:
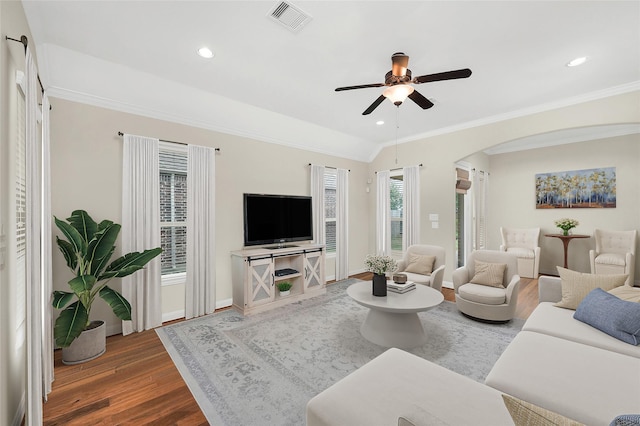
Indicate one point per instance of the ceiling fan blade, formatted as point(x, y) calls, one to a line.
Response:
point(448, 75)
point(362, 86)
point(374, 105)
point(422, 102)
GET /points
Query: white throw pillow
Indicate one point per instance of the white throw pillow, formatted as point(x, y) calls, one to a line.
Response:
point(490, 274)
point(420, 264)
point(576, 285)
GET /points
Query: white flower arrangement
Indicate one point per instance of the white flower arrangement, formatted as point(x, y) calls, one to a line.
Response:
point(379, 264)
point(566, 224)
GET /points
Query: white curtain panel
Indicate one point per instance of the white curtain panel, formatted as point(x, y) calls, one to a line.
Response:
point(342, 225)
point(201, 260)
point(47, 273)
point(383, 213)
point(317, 203)
point(411, 206)
point(141, 230)
point(34, 293)
point(479, 203)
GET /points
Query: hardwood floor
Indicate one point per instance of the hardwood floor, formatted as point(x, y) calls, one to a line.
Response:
point(136, 383)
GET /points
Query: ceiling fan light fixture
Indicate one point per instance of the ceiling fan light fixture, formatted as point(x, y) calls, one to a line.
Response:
point(398, 93)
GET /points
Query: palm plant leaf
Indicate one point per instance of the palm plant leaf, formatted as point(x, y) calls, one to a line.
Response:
point(99, 265)
point(61, 298)
point(82, 283)
point(83, 223)
point(130, 263)
point(118, 303)
point(67, 251)
point(76, 240)
point(101, 246)
point(71, 322)
point(104, 224)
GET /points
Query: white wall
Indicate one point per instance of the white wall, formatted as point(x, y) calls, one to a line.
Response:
point(512, 195)
point(87, 167)
point(439, 154)
point(12, 339)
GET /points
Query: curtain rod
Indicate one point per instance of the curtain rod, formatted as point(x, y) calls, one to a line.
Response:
point(399, 168)
point(25, 41)
point(163, 140)
point(329, 167)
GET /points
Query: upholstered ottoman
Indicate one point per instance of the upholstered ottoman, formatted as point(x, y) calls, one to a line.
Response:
point(396, 384)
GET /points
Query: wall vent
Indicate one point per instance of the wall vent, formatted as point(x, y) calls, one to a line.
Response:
point(289, 16)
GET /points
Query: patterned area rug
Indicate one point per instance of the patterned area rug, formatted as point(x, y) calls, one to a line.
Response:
point(262, 369)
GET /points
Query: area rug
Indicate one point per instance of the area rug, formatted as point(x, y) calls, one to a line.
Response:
point(263, 369)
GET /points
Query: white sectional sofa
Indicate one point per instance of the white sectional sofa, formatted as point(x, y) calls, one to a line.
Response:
point(556, 362)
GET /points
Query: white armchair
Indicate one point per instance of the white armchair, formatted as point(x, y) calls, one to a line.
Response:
point(414, 267)
point(524, 243)
point(492, 301)
point(614, 254)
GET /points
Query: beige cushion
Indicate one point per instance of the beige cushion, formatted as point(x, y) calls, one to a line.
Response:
point(576, 285)
point(420, 264)
point(522, 252)
point(491, 274)
point(611, 259)
point(526, 414)
point(484, 294)
point(626, 292)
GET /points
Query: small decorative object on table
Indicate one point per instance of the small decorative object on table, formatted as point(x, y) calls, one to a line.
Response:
point(399, 278)
point(566, 225)
point(379, 265)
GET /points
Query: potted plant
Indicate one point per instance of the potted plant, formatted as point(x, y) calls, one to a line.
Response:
point(284, 287)
point(379, 265)
point(566, 225)
point(87, 250)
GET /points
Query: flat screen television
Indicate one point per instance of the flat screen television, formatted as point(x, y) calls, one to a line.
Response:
point(276, 219)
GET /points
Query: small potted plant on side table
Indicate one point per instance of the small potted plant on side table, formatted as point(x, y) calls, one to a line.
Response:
point(284, 287)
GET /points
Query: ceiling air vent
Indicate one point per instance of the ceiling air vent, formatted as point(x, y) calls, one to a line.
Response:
point(289, 16)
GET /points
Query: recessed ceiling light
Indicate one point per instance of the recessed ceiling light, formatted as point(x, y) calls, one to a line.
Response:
point(577, 61)
point(379, 122)
point(205, 52)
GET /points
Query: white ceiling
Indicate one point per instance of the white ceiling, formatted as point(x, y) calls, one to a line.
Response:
point(271, 84)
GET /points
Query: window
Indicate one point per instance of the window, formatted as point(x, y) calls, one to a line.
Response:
point(330, 189)
point(173, 211)
point(20, 191)
point(396, 194)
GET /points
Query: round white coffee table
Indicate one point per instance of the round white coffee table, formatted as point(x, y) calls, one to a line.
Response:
point(393, 320)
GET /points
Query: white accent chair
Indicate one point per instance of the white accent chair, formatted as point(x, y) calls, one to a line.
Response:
point(434, 279)
point(524, 243)
point(614, 254)
point(482, 301)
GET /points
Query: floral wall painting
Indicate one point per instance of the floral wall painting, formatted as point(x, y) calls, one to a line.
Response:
point(589, 188)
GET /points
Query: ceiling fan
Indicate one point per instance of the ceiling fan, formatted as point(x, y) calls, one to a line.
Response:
point(397, 81)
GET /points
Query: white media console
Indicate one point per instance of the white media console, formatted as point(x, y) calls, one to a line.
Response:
point(255, 273)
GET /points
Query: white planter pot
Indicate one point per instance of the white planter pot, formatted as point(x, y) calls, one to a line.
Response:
point(89, 345)
point(285, 293)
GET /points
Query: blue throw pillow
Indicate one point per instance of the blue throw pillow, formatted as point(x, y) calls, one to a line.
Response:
point(616, 317)
point(626, 420)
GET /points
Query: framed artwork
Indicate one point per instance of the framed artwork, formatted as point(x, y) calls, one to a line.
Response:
point(589, 188)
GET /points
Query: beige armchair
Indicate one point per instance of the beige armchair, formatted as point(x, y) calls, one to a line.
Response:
point(488, 290)
point(524, 243)
point(614, 254)
point(418, 266)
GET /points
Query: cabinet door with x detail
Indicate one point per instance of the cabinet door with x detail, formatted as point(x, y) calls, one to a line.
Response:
point(261, 285)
